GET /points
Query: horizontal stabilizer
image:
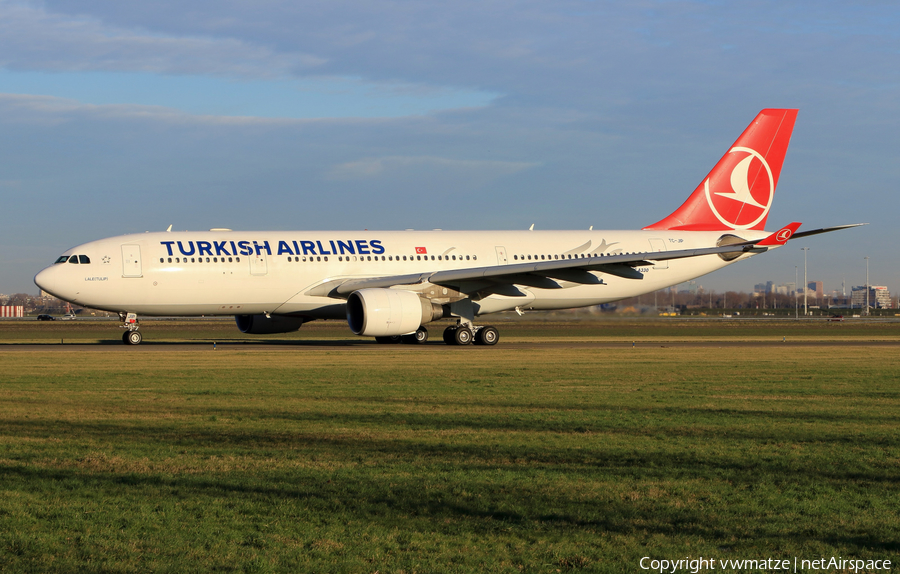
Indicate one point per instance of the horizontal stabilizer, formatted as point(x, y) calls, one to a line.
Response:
point(825, 230)
point(781, 236)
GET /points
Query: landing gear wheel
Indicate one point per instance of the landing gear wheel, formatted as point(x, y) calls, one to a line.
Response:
point(487, 336)
point(389, 340)
point(417, 338)
point(463, 336)
point(450, 335)
point(132, 337)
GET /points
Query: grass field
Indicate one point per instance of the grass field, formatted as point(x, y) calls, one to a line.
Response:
point(516, 458)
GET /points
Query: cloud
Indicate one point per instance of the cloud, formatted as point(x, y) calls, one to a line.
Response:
point(31, 38)
point(393, 166)
point(51, 110)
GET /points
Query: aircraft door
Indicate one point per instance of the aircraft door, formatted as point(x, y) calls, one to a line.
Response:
point(501, 255)
point(659, 245)
point(131, 261)
point(258, 264)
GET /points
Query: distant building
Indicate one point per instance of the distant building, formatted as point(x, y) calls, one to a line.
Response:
point(879, 297)
point(817, 287)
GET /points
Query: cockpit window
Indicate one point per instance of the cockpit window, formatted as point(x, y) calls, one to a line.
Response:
point(62, 259)
point(73, 259)
point(84, 259)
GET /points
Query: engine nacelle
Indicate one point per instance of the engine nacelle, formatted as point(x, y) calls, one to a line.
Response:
point(262, 325)
point(389, 312)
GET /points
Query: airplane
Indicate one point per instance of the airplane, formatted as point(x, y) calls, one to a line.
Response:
point(390, 284)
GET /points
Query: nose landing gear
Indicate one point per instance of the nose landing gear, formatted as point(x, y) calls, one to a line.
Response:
point(131, 336)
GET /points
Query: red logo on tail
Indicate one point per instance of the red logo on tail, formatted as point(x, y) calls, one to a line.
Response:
point(744, 200)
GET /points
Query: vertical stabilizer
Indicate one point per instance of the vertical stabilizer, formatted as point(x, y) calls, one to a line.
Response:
point(738, 192)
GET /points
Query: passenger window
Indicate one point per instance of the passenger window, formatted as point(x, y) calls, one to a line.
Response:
point(236, 259)
point(192, 260)
point(161, 260)
point(170, 259)
point(207, 259)
point(229, 259)
point(474, 257)
point(83, 259)
point(326, 258)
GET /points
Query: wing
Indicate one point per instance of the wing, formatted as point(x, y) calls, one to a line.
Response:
point(542, 274)
point(547, 274)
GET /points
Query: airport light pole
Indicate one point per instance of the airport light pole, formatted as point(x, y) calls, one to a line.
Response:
point(805, 307)
point(796, 305)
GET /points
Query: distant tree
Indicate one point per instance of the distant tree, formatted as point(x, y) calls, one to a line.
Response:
point(23, 299)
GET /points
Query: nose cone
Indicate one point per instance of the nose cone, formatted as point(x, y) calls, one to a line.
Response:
point(50, 280)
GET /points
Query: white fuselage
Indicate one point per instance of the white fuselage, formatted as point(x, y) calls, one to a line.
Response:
point(240, 273)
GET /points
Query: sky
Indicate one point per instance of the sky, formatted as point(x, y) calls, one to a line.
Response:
point(121, 117)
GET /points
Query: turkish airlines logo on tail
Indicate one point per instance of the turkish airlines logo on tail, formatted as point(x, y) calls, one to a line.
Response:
point(744, 200)
point(784, 235)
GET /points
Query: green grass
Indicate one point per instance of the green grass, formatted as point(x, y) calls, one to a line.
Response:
point(443, 459)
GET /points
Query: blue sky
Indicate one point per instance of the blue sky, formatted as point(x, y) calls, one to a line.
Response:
point(122, 117)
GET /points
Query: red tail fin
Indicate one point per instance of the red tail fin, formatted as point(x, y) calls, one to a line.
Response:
point(738, 192)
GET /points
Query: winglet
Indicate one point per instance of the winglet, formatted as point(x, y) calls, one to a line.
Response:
point(781, 236)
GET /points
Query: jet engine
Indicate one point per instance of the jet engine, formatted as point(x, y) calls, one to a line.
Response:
point(263, 325)
point(389, 312)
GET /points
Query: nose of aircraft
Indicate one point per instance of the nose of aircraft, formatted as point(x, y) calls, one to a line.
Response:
point(50, 280)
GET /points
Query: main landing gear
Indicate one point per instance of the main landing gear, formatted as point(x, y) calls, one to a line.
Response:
point(131, 336)
point(466, 334)
point(462, 334)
